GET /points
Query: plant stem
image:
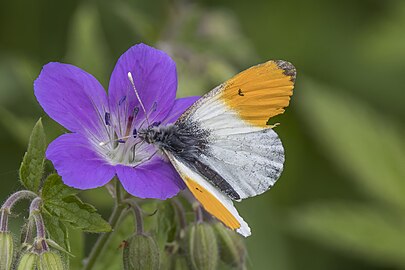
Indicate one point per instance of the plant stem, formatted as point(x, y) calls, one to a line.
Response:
point(9, 203)
point(103, 239)
point(137, 213)
point(181, 213)
point(35, 213)
point(198, 214)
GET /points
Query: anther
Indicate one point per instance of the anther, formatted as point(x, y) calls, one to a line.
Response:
point(134, 133)
point(155, 124)
point(122, 100)
point(135, 112)
point(107, 119)
point(120, 141)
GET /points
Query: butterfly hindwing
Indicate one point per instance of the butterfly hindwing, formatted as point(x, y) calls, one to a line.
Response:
point(215, 202)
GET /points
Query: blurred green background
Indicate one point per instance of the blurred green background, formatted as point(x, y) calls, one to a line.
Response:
point(340, 203)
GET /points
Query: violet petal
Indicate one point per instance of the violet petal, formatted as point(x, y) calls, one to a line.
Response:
point(78, 163)
point(155, 78)
point(155, 179)
point(72, 97)
point(179, 107)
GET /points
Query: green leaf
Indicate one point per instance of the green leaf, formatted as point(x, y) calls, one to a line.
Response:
point(365, 144)
point(32, 167)
point(55, 189)
point(56, 229)
point(78, 214)
point(371, 232)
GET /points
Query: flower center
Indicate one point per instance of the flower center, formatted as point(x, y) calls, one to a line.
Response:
point(123, 145)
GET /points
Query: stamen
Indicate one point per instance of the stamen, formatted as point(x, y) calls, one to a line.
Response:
point(107, 119)
point(155, 124)
point(119, 140)
point(122, 100)
point(154, 107)
point(135, 112)
point(134, 133)
point(137, 95)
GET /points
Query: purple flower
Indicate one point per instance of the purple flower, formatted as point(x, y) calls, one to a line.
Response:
point(104, 141)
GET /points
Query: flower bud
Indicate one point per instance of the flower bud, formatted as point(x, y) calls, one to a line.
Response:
point(28, 261)
point(180, 263)
point(166, 261)
point(233, 249)
point(141, 253)
point(6, 250)
point(50, 261)
point(201, 247)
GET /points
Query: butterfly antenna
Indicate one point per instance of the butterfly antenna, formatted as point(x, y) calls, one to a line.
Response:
point(131, 79)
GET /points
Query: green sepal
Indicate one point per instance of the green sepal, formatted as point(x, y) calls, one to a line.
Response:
point(28, 261)
point(141, 253)
point(6, 250)
point(50, 261)
point(56, 246)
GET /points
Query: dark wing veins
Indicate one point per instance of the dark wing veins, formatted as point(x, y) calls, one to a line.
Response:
point(186, 141)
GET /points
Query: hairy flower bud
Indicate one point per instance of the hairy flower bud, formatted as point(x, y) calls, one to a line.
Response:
point(180, 263)
point(233, 249)
point(141, 253)
point(201, 247)
point(6, 250)
point(50, 261)
point(28, 261)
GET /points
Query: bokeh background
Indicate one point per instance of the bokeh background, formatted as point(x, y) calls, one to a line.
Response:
point(340, 203)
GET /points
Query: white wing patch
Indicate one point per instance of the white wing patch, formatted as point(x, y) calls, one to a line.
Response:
point(215, 115)
point(250, 162)
point(250, 158)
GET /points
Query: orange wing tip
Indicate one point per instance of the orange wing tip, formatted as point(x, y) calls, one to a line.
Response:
point(288, 69)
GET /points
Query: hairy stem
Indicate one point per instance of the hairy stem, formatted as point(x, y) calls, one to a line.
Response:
point(181, 213)
point(9, 203)
point(198, 214)
point(103, 239)
point(137, 213)
point(35, 213)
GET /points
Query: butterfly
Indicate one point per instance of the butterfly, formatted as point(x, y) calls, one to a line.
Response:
point(222, 146)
